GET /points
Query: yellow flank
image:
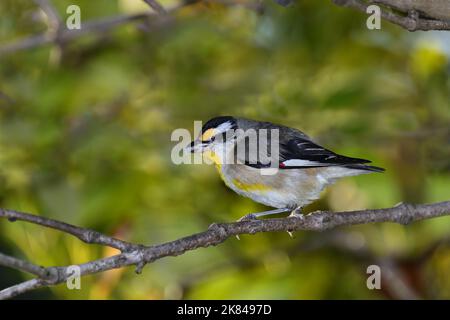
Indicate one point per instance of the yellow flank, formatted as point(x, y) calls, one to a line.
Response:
point(250, 186)
point(208, 134)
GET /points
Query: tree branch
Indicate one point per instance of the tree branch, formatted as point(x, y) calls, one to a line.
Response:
point(133, 254)
point(412, 20)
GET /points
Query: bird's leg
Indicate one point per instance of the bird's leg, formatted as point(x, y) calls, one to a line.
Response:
point(256, 215)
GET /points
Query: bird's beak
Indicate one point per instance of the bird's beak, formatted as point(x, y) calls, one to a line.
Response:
point(196, 146)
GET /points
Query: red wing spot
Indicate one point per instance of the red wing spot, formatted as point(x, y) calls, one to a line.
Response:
point(282, 165)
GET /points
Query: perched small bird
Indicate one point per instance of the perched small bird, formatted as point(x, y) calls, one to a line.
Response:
point(303, 168)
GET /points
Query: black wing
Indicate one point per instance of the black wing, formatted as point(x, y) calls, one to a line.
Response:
point(303, 153)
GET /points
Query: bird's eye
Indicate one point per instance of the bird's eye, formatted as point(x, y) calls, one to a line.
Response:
point(212, 139)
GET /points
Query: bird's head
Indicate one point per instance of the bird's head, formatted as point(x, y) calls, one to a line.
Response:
point(217, 136)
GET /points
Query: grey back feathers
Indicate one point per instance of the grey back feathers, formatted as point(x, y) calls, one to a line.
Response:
point(297, 150)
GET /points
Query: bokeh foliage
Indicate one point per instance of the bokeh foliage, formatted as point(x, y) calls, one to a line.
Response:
point(85, 138)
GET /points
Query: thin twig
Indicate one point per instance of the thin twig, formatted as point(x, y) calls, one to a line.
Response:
point(216, 234)
point(22, 265)
point(20, 288)
point(85, 235)
point(155, 5)
point(88, 27)
point(51, 13)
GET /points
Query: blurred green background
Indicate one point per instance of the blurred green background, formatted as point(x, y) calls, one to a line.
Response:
point(85, 138)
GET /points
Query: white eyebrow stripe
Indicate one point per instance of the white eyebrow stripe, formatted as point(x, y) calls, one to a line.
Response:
point(224, 127)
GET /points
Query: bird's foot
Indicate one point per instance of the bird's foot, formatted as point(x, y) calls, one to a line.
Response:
point(248, 217)
point(255, 216)
point(296, 213)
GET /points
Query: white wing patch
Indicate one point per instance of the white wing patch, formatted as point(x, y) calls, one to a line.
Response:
point(303, 163)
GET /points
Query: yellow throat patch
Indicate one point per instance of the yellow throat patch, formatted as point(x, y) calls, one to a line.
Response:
point(218, 161)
